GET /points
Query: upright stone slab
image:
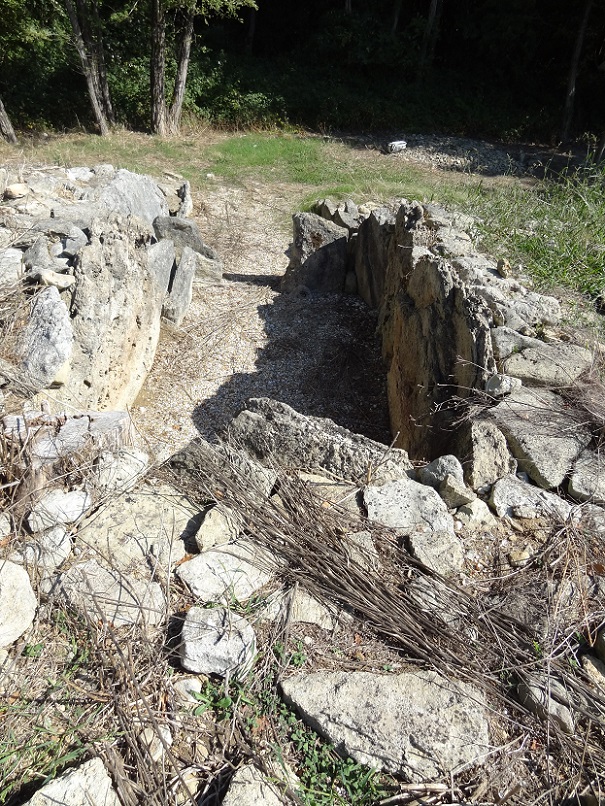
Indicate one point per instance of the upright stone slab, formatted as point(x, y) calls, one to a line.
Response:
point(318, 255)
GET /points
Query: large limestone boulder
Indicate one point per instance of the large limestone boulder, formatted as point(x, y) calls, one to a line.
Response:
point(318, 255)
point(272, 432)
point(86, 785)
point(415, 724)
point(18, 602)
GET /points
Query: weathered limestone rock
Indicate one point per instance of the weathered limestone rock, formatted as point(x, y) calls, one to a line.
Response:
point(518, 499)
point(112, 596)
point(499, 385)
point(301, 608)
point(318, 255)
point(216, 641)
point(331, 492)
point(59, 507)
point(249, 787)
point(417, 724)
point(549, 364)
point(119, 470)
point(454, 492)
point(476, 514)
point(11, 267)
point(484, 453)
point(439, 469)
point(587, 482)
point(145, 527)
point(129, 195)
point(538, 700)
point(273, 432)
point(507, 342)
point(441, 551)
point(424, 295)
point(48, 339)
point(541, 434)
point(184, 234)
point(371, 255)
point(180, 293)
point(18, 602)
point(407, 506)
point(229, 573)
point(47, 552)
point(219, 526)
point(86, 785)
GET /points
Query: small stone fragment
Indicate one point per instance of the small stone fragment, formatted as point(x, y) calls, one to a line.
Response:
point(58, 507)
point(155, 741)
point(86, 785)
point(435, 472)
point(219, 526)
point(454, 492)
point(18, 602)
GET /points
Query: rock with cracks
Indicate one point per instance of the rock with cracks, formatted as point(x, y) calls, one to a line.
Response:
point(216, 641)
point(416, 724)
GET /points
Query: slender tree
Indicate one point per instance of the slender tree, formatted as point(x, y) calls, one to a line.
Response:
point(88, 39)
point(429, 40)
point(6, 128)
point(166, 120)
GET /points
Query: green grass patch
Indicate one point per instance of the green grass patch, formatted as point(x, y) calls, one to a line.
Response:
point(555, 229)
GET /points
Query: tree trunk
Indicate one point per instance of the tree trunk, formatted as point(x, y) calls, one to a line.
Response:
point(100, 60)
point(89, 70)
point(348, 6)
point(396, 14)
point(430, 37)
point(176, 107)
point(573, 72)
point(6, 127)
point(159, 116)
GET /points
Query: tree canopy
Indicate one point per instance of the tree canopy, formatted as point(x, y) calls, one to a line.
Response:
point(521, 69)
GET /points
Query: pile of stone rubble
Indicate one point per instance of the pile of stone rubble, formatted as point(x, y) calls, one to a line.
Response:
point(88, 526)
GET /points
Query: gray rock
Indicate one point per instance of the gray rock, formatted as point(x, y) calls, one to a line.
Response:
point(332, 492)
point(202, 269)
point(249, 787)
point(146, 527)
point(299, 607)
point(537, 700)
point(595, 669)
point(47, 339)
point(517, 499)
point(417, 724)
point(11, 267)
point(180, 292)
point(18, 602)
point(112, 596)
point(371, 255)
point(230, 573)
point(437, 470)
point(50, 550)
point(220, 526)
point(542, 435)
point(130, 195)
point(117, 471)
point(500, 385)
point(440, 551)
point(86, 785)
point(587, 482)
point(318, 255)
point(476, 515)
point(184, 234)
point(549, 364)
point(507, 342)
point(407, 506)
point(484, 453)
point(455, 493)
point(58, 507)
point(273, 432)
point(216, 641)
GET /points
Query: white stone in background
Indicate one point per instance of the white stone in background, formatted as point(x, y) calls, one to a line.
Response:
point(18, 190)
point(58, 507)
point(216, 641)
point(49, 550)
point(47, 340)
point(111, 596)
point(186, 688)
point(407, 505)
point(220, 526)
point(476, 514)
point(18, 602)
point(549, 364)
point(119, 472)
point(5, 525)
point(155, 741)
point(79, 174)
point(518, 499)
point(396, 146)
point(587, 482)
point(11, 266)
point(48, 277)
point(500, 385)
point(142, 527)
point(232, 572)
point(417, 724)
point(249, 787)
point(86, 785)
point(437, 470)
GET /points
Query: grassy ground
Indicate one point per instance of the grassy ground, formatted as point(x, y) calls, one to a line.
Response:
point(555, 228)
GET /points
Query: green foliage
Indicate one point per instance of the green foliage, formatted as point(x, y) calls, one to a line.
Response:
point(555, 229)
point(222, 703)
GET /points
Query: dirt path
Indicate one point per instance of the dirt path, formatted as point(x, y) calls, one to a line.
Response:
point(243, 338)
